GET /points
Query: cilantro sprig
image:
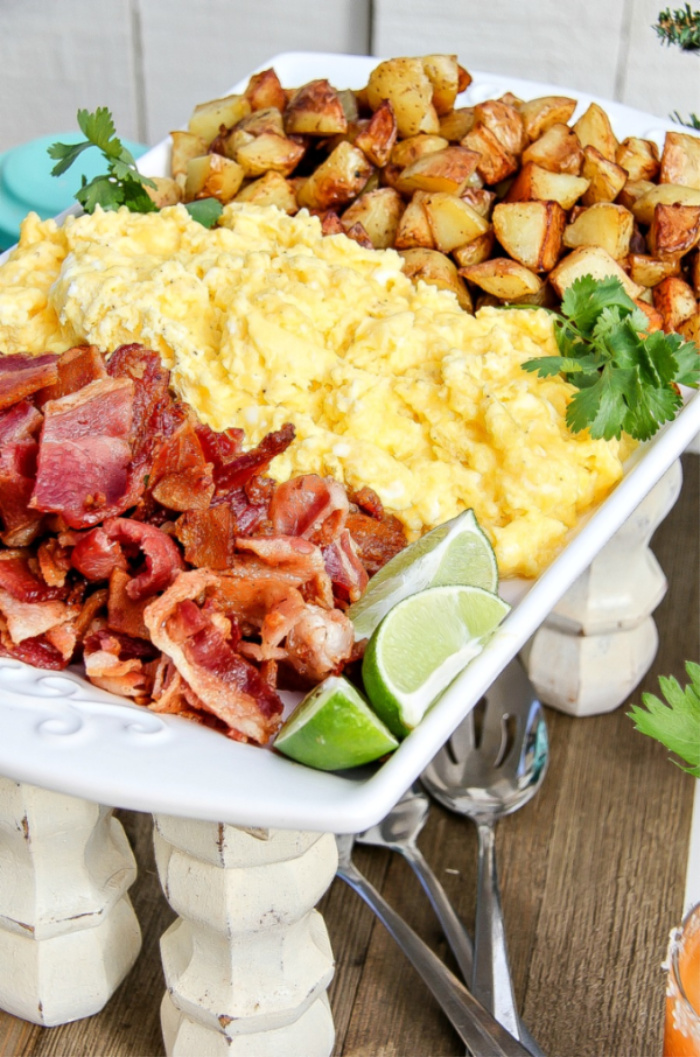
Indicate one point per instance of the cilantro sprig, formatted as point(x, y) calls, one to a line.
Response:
point(675, 724)
point(122, 184)
point(627, 377)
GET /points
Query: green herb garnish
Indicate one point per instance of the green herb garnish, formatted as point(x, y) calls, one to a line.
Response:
point(677, 723)
point(680, 27)
point(122, 184)
point(627, 377)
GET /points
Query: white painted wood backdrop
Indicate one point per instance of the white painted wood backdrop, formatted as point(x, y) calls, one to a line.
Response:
point(150, 61)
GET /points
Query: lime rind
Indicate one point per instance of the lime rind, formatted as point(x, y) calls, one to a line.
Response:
point(422, 645)
point(455, 552)
point(334, 729)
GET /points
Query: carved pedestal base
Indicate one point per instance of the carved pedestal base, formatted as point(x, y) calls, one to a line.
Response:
point(68, 932)
point(248, 961)
point(600, 640)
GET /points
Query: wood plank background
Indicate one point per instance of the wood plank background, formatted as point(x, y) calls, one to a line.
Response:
point(150, 61)
point(592, 872)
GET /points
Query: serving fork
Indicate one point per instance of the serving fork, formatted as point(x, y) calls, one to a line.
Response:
point(477, 1028)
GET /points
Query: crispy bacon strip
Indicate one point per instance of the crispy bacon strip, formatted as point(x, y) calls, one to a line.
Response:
point(226, 684)
point(309, 506)
point(105, 548)
point(21, 375)
point(85, 453)
point(239, 470)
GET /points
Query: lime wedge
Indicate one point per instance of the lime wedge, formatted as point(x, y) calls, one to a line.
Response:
point(421, 645)
point(456, 552)
point(334, 728)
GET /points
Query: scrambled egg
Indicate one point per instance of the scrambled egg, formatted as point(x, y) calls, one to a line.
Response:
point(389, 384)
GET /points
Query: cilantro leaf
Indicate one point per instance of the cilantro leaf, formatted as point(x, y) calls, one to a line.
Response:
point(675, 724)
point(627, 378)
point(122, 184)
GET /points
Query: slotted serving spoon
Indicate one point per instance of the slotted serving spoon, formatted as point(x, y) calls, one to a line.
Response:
point(493, 763)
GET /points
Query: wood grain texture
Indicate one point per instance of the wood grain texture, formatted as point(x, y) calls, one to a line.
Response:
point(608, 49)
point(592, 872)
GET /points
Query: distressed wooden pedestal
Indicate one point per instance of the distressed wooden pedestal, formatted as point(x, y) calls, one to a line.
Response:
point(248, 961)
point(600, 640)
point(68, 933)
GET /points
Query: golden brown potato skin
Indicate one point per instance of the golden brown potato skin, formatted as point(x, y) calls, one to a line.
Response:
point(504, 200)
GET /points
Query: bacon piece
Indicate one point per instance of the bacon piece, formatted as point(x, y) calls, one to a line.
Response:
point(54, 561)
point(220, 449)
point(348, 575)
point(297, 561)
point(239, 470)
point(19, 580)
point(208, 536)
point(226, 684)
point(37, 652)
point(309, 506)
point(22, 375)
point(320, 643)
point(115, 663)
point(19, 426)
point(376, 541)
point(124, 615)
point(21, 422)
point(28, 620)
point(85, 453)
point(180, 477)
point(107, 547)
point(77, 367)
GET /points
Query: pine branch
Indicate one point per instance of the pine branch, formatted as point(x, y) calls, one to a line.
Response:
point(680, 27)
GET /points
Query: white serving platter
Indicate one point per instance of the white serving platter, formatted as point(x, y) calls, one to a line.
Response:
point(60, 732)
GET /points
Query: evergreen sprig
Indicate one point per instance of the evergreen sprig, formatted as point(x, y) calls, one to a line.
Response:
point(680, 27)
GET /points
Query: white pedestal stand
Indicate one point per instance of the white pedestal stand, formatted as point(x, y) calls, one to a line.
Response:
point(600, 640)
point(248, 961)
point(68, 932)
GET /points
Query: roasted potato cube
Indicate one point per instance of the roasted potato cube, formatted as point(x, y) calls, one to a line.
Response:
point(259, 121)
point(443, 73)
point(444, 170)
point(455, 125)
point(594, 261)
point(406, 151)
point(264, 90)
point(503, 278)
point(557, 149)
point(378, 137)
point(655, 320)
point(669, 194)
point(606, 177)
point(680, 161)
point(272, 189)
point(185, 146)
point(408, 88)
point(269, 151)
point(603, 224)
point(438, 270)
point(675, 230)
point(638, 157)
point(207, 118)
point(648, 271)
point(632, 192)
point(452, 221)
point(540, 114)
point(481, 200)
point(694, 272)
point(315, 110)
point(531, 232)
point(464, 79)
point(213, 176)
point(495, 163)
point(337, 180)
point(167, 191)
point(675, 300)
point(348, 101)
point(379, 212)
point(690, 329)
point(414, 229)
point(593, 129)
point(534, 182)
point(357, 233)
point(505, 122)
point(476, 251)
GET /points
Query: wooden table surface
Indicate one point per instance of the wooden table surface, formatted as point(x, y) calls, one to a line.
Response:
point(592, 873)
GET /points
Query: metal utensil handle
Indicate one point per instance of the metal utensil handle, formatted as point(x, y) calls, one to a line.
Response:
point(455, 932)
point(491, 979)
point(484, 1036)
